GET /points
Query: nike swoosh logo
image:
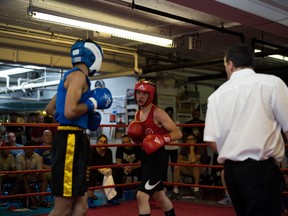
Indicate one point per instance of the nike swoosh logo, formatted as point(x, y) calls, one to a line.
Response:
point(150, 187)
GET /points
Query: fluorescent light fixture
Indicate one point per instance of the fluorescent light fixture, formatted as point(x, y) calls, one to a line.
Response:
point(275, 56)
point(33, 67)
point(113, 31)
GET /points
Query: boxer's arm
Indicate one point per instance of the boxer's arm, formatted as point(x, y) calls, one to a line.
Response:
point(161, 118)
point(51, 106)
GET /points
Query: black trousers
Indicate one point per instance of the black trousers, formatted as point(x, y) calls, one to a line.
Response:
point(254, 187)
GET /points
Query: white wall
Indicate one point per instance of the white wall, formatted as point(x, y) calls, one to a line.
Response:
point(119, 85)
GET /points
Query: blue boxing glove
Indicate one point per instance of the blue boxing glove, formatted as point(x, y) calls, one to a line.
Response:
point(94, 120)
point(100, 98)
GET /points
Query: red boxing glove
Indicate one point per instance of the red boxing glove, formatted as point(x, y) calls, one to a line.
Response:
point(135, 131)
point(153, 142)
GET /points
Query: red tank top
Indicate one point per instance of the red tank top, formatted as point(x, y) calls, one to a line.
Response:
point(149, 126)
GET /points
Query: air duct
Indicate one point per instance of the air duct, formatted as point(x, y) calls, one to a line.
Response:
point(183, 19)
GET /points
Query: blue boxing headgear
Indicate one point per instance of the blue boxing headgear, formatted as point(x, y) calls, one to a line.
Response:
point(89, 53)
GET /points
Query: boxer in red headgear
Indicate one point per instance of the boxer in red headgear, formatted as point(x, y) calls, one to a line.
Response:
point(153, 128)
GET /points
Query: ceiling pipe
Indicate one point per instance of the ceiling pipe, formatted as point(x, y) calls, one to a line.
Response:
point(26, 85)
point(183, 19)
point(210, 62)
point(38, 97)
point(120, 50)
point(113, 75)
point(137, 70)
point(180, 65)
point(207, 77)
point(280, 49)
point(224, 75)
point(59, 38)
point(272, 52)
point(261, 42)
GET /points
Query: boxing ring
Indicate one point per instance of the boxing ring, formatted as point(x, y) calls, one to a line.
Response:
point(183, 207)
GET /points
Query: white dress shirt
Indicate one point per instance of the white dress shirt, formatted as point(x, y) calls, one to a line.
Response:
point(245, 116)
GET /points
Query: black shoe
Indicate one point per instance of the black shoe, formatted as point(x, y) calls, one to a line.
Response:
point(198, 195)
point(114, 201)
point(175, 196)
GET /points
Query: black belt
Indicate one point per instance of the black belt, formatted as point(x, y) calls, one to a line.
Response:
point(249, 160)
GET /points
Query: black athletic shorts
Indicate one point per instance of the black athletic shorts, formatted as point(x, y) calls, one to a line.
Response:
point(70, 172)
point(154, 168)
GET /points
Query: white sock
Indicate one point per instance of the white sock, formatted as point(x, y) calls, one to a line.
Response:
point(175, 190)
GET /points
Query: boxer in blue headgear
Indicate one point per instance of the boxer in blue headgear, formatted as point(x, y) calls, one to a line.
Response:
point(74, 108)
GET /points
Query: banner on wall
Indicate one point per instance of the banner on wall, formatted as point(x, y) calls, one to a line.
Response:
point(114, 115)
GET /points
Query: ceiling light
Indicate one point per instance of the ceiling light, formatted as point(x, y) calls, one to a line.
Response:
point(280, 57)
point(275, 56)
point(33, 67)
point(113, 31)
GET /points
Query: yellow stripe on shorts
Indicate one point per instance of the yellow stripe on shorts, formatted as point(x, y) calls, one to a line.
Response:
point(68, 166)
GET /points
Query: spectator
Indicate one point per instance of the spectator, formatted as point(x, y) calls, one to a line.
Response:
point(45, 154)
point(102, 156)
point(37, 132)
point(171, 150)
point(29, 160)
point(50, 120)
point(128, 155)
point(12, 142)
point(7, 163)
point(31, 119)
point(187, 156)
point(17, 130)
point(198, 131)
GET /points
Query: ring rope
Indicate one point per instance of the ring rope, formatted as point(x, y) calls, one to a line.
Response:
point(112, 165)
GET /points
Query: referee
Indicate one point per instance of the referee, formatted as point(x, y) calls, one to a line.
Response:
point(243, 124)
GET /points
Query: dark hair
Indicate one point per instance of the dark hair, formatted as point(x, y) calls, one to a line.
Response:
point(124, 136)
point(101, 135)
point(169, 109)
point(241, 55)
point(191, 134)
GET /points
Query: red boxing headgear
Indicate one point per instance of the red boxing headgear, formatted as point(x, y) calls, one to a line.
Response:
point(145, 86)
